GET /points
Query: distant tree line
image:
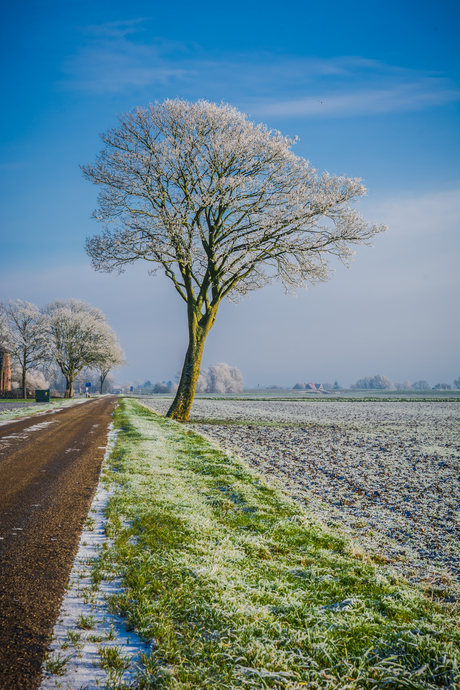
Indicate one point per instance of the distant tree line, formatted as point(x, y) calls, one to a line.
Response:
point(218, 378)
point(61, 343)
point(380, 382)
point(157, 387)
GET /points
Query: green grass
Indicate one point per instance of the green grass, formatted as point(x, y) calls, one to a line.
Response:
point(57, 664)
point(236, 586)
point(113, 661)
point(86, 622)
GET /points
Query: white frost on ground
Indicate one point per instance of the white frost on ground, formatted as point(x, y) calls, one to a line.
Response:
point(85, 626)
point(387, 472)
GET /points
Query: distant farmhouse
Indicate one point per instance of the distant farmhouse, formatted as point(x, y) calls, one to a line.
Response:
point(316, 387)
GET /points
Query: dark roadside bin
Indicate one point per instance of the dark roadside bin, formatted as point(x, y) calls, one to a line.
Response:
point(42, 396)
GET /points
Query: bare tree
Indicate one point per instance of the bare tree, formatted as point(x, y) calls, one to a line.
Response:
point(112, 357)
point(222, 206)
point(78, 334)
point(457, 383)
point(23, 335)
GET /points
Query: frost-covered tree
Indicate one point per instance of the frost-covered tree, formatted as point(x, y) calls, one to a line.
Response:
point(457, 383)
point(23, 335)
point(381, 382)
point(112, 357)
point(202, 383)
point(220, 378)
point(421, 385)
point(378, 382)
point(109, 382)
point(85, 376)
point(3, 326)
point(77, 335)
point(35, 378)
point(93, 376)
point(222, 206)
point(406, 386)
point(224, 379)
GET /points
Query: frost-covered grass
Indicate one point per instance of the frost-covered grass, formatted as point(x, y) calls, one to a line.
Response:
point(322, 412)
point(387, 472)
point(7, 412)
point(234, 585)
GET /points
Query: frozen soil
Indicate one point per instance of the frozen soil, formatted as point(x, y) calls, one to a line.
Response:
point(387, 472)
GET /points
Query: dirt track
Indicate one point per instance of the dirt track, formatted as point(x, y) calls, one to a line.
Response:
point(49, 470)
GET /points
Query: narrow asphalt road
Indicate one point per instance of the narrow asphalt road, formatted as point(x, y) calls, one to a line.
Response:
point(49, 470)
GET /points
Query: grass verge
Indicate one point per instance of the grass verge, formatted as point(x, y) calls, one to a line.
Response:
point(236, 586)
point(32, 409)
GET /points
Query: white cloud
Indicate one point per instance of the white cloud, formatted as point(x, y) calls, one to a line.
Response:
point(115, 29)
point(399, 98)
point(118, 66)
point(116, 58)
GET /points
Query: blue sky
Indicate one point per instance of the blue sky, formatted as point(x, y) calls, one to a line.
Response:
point(370, 89)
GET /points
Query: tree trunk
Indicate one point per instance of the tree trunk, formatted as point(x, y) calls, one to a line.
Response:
point(68, 388)
point(24, 384)
point(199, 327)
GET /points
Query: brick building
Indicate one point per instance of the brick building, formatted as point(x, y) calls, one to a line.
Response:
point(5, 372)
